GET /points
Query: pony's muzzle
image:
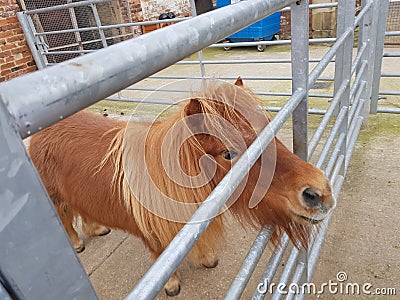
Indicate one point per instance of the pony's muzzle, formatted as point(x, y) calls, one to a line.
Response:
point(312, 200)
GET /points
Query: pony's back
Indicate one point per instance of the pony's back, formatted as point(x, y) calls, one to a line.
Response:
point(68, 156)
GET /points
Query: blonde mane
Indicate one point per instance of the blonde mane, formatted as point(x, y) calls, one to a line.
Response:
point(137, 143)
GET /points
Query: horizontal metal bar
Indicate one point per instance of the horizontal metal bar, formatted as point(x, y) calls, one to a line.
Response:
point(166, 264)
point(392, 33)
point(355, 104)
point(351, 125)
point(316, 247)
point(276, 42)
point(312, 145)
point(391, 54)
point(67, 52)
point(387, 74)
point(249, 264)
point(358, 78)
point(392, 93)
point(311, 111)
point(328, 57)
point(352, 141)
point(67, 87)
point(255, 78)
point(244, 61)
point(272, 266)
point(338, 167)
point(388, 110)
point(334, 155)
point(63, 6)
point(331, 137)
point(105, 27)
point(315, 6)
point(296, 279)
point(287, 94)
point(287, 271)
point(357, 60)
point(141, 100)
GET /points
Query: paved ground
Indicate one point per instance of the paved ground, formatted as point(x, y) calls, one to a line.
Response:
point(363, 239)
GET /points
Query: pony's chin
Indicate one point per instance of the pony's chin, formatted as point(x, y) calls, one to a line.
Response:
point(313, 220)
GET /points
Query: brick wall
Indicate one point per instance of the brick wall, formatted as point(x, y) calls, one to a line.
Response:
point(152, 9)
point(285, 33)
point(15, 56)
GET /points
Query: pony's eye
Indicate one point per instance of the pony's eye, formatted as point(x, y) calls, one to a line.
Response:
point(229, 154)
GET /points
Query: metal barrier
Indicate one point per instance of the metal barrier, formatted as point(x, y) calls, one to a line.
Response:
point(65, 88)
point(38, 38)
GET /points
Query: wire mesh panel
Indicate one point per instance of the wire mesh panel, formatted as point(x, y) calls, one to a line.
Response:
point(393, 23)
point(73, 30)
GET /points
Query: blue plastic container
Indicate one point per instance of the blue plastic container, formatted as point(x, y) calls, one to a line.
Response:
point(263, 30)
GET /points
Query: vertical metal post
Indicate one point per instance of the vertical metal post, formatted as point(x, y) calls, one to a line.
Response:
point(29, 29)
point(98, 24)
point(200, 53)
point(37, 260)
point(367, 35)
point(300, 55)
point(300, 66)
point(380, 38)
point(343, 64)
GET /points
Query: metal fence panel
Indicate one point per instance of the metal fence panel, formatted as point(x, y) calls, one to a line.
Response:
point(70, 86)
point(36, 258)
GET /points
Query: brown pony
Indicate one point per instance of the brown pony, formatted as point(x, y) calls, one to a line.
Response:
point(147, 178)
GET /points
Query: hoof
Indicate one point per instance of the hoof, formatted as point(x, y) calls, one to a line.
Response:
point(212, 266)
point(105, 232)
point(80, 249)
point(174, 292)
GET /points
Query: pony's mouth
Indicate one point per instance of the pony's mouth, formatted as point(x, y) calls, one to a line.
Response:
point(315, 219)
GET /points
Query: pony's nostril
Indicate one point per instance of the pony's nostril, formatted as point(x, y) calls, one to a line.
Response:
point(311, 198)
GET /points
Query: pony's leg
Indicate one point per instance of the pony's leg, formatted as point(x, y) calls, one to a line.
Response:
point(93, 229)
point(67, 218)
point(209, 260)
point(203, 255)
point(172, 287)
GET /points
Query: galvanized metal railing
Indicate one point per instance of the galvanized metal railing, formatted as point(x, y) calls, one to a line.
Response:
point(41, 51)
point(70, 86)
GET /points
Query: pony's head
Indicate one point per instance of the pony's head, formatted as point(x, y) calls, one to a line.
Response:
point(188, 154)
point(281, 189)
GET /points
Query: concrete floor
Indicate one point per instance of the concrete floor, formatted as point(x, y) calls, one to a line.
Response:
point(363, 239)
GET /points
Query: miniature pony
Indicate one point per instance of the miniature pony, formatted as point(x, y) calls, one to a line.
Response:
point(148, 178)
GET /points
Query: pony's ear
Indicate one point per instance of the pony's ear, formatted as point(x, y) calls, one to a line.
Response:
point(193, 107)
point(239, 81)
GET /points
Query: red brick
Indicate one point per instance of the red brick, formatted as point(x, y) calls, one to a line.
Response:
point(4, 53)
point(31, 69)
point(8, 21)
point(5, 72)
point(23, 60)
point(6, 47)
point(8, 65)
point(9, 59)
point(19, 49)
point(15, 38)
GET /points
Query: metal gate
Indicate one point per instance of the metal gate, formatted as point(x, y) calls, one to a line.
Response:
point(67, 87)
